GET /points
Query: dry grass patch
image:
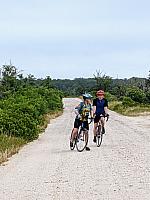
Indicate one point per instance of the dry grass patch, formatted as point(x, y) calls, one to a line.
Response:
point(138, 110)
point(9, 146)
point(48, 117)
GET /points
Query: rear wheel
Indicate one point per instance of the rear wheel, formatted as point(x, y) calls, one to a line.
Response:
point(81, 140)
point(99, 136)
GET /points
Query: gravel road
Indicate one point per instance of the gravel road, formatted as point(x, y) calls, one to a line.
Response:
point(46, 169)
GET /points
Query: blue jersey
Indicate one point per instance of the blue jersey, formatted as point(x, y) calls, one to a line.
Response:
point(100, 105)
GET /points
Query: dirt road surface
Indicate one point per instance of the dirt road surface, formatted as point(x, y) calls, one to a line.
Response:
point(46, 169)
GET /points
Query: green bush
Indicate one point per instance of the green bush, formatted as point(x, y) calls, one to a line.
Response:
point(110, 97)
point(127, 101)
point(118, 108)
point(136, 94)
point(148, 96)
point(21, 115)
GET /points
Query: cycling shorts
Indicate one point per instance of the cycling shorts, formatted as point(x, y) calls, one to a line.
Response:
point(78, 123)
point(97, 118)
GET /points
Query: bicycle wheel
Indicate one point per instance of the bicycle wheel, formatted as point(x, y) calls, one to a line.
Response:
point(74, 143)
point(99, 137)
point(81, 140)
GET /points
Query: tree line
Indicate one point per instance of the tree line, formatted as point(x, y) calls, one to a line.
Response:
point(134, 89)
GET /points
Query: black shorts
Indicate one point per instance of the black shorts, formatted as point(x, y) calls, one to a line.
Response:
point(97, 118)
point(78, 123)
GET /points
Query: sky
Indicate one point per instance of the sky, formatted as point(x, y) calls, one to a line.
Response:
point(74, 38)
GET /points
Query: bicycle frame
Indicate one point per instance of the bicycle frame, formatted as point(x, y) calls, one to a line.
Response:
point(85, 131)
point(99, 133)
point(99, 124)
point(81, 136)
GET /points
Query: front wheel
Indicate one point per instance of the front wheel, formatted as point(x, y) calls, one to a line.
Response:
point(99, 137)
point(74, 141)
point(82, 140)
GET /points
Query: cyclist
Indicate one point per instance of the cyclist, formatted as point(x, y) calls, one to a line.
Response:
point(82, 111)
point(100, 107)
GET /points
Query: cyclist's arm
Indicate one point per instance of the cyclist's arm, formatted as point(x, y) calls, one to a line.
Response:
point(94, 110)
point(77, 109)
point(91, 112)
point(94, 106)
point(106, 107)
point(106, 110)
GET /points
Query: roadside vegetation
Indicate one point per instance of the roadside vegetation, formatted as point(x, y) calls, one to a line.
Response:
point(27, 104)
point(126, 96)
point(25, 109)
point(9, 145)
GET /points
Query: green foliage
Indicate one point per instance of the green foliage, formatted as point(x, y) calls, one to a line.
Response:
point(22, 114)
point(119, 90)
point(136, 94)
point(9, 146)
point(117, 87)
point(116, 106)
point(103, 81)
point(110, 97)
point(127, 101)
point(47, 82)
point(9, 78)
point(74, 87)
point(23, 104)
point(147, 82)
point(148, 96)
point(135, 110)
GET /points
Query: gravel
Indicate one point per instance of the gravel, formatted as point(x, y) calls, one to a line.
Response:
point(46, 169)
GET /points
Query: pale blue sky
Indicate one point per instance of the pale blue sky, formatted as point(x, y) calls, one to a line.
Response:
point(74, 38)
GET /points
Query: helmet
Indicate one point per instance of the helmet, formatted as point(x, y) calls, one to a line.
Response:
point(100, 92)
point(86, 96)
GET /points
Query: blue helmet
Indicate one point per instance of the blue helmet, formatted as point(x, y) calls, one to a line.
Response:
point(87, 96)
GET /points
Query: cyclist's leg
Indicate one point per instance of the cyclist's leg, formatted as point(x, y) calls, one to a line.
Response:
point(96, 120)
point(74, 133)
point(77, 124)
point(86, 126)
point(103, 124)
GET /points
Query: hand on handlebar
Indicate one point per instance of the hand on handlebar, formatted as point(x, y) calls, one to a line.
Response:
point(92, 119)
point(79, 116)
point(107, 116)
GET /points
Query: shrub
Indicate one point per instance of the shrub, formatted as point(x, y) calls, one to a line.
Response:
point(136, 94)
point(127, 101)
point(110, 97)
point(148, 96)
point(21, 115)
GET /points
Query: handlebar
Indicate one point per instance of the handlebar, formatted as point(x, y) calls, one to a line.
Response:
point(91, 120)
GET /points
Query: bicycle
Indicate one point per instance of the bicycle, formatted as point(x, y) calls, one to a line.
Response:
point(99, 131)
point(81, 139)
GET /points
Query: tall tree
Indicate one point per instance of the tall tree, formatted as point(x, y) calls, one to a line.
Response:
point(102, 80)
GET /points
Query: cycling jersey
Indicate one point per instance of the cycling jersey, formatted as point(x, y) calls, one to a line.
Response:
point(100, 104)
point(84, 110)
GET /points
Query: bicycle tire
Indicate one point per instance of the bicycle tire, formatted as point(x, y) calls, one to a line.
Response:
point(74, 143)
point(99, 137)
point(81, 140)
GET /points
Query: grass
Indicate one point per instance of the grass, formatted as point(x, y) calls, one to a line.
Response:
point(48, 117)
point(10, 145)
point(137, 110)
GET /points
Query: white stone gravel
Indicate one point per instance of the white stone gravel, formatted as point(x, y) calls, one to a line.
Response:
point(46, 169)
